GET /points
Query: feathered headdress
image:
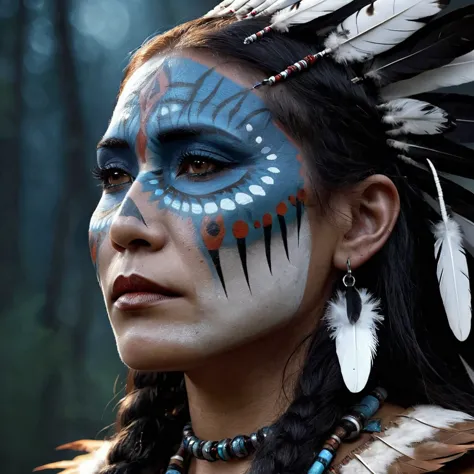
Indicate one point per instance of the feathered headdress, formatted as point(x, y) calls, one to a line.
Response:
point(405, 50)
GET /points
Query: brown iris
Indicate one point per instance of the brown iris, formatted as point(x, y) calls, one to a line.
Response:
point(116, 178)
point(196, 166)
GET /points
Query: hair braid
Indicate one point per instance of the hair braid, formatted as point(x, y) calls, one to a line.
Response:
point(149, 423)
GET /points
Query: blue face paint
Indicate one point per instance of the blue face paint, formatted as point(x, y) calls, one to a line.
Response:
point(256, 189)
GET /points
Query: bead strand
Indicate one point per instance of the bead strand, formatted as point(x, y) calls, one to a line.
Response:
point(224, 450)
point(177, 462)
point(349, 427)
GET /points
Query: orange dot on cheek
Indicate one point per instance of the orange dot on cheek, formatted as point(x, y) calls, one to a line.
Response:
point(292, 199)
point(301, 195)
point(213, 232)
point(240, 229)
point(282, 209)
point(267, 220)
point(257, 225)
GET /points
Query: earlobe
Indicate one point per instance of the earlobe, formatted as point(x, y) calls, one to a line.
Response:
point(375, 206)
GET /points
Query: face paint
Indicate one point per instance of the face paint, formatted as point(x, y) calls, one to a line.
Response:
point(166, 118)
point(234, 240)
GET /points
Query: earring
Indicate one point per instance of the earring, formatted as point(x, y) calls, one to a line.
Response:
point(352, 318)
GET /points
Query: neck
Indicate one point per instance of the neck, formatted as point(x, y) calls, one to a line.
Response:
point(245, 389)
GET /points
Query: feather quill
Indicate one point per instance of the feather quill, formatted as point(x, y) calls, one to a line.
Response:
point(452, 269)
point(460, 71)
point(303, 12)
point(439, 43)
point(379, 27)
point(448, 156)
point(415, 116)
point(356, 344)
point(468, 368)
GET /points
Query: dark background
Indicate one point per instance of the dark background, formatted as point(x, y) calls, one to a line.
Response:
point(61, 62)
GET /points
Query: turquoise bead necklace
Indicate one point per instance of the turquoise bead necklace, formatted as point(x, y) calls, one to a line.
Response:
point(240, 447)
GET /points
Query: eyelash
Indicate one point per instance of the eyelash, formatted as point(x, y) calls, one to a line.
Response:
point(103, 175)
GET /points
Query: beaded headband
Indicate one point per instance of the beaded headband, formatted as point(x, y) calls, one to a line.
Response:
point(400, 47)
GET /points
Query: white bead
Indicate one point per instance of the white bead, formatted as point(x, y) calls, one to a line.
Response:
point(243, 199)
point(210, 208)
point(196, 208)
point(227, 204)
point(256, 190)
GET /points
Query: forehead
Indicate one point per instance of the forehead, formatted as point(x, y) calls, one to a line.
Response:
point(185, 78)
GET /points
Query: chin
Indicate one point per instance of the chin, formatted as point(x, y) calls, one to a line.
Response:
point(159, 355)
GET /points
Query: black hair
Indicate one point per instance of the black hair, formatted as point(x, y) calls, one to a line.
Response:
point(340, 130)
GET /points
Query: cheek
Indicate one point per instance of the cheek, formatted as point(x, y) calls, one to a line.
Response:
point(273, 300)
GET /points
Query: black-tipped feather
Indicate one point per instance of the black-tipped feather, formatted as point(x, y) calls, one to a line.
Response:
point(437, 44)
point(353, 304)
point(447, 156)
point(459, 106)
point(322, 25)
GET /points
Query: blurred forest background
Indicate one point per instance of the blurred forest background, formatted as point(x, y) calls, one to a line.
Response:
point(61, 62)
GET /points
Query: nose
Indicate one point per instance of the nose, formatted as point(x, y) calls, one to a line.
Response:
point(130, 231)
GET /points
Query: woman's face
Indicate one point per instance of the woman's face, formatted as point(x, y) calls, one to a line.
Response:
point(204, 234)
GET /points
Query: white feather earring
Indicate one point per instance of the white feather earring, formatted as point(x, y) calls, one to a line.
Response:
point(452, 270)
point(352, 318)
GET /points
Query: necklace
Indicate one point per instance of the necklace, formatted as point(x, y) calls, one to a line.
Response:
point(349, 427)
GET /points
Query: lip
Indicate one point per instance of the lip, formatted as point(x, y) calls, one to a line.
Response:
point(136, 292)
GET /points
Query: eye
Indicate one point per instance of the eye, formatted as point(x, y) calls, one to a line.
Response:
point(195, 166)
point(112, 177)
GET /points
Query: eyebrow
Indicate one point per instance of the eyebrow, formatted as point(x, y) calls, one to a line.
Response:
point(113, 143)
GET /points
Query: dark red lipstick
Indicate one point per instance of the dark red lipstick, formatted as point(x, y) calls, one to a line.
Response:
point(136, 292)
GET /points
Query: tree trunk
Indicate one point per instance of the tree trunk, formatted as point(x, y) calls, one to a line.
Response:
point(72, 210)
point(10, 175)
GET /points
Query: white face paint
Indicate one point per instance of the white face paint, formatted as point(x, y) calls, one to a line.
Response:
point(234, 243)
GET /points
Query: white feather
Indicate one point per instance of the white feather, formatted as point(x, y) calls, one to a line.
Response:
point(219, 9)
point(378, 27)
point(248, 7)
point(452, 269)
point(236, 5)
point(254, 4)
point(307, 11)
point(274, 6)
point(460, 71)
point(467, 228)
point(414, 116)
point(356, 344)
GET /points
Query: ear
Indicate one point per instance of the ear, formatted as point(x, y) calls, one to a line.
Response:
point(371, 211)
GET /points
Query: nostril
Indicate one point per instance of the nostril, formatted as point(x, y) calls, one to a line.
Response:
point(139, 243)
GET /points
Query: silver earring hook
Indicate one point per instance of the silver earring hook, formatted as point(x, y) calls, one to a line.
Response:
point(349, 280)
